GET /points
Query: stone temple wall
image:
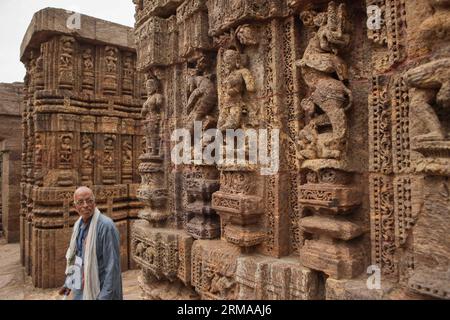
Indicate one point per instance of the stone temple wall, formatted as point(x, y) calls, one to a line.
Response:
point(81, 125)
point(10, 159)
point(359, 92)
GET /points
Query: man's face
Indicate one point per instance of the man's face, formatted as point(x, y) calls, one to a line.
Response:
point(230, 59)
point(84, 203)
point(151, 87)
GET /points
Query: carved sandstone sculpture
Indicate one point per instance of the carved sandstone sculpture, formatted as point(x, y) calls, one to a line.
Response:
point(152, 113)
point(202, 94)
point(238, 82)
point(325, 73)
point(430, 88)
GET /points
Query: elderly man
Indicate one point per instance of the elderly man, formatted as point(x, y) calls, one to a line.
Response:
point(93, 258)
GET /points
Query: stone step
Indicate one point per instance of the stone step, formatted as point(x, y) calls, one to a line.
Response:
point(332, 227)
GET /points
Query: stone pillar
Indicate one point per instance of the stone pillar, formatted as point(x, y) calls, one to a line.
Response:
point(331, 189)
point(10, 148)
point(81, 127)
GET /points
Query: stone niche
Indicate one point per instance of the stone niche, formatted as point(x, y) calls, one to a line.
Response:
point(10, 159)
point(82, 126)
point(355, 93)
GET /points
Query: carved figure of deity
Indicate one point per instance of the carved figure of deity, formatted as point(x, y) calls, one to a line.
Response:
point(325, 72)
point(111, 59)
point(66, 75)
point(87, 147)
point(237, 83)
point(66, 53)
point(152, 113)
point(109, 151)
point(202, 95)
point(128, 66)
point(88, 60)
point(66, 149)
point(88, 70)
point(127, 151)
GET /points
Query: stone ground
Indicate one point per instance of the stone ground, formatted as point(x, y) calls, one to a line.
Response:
point(15, 285)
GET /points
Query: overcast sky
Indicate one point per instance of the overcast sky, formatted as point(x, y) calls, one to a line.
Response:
point(15, 16)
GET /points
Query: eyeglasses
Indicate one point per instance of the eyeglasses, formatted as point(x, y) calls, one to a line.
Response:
point(81, 202)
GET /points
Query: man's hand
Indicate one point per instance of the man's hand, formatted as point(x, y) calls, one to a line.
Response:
point(64, 291)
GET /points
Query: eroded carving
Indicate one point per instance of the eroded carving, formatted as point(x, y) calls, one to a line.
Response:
point(320, 62)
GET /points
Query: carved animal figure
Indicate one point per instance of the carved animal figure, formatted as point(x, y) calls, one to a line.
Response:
point(325, 72)
point(429, 88)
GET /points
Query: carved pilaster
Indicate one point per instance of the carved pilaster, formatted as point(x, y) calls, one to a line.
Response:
point(328, 192)
point(66, 62)
point(110, 65)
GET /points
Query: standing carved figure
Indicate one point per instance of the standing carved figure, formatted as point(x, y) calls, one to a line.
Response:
point(87, 147)
point(202, 95)
point(108, 160)
point(127, 152)
point(128, 66)
point(111, 60)
point(237, 83)
point(66, 64)
point(88, 60)
point(88, 70)
point(152, 113)
point(325, 72)
point(66, 53)
point(66, 149)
